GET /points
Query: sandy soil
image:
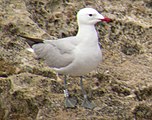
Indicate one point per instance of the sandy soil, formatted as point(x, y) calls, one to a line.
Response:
point(121, 87)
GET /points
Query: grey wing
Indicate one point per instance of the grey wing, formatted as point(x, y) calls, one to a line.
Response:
point(55, 55)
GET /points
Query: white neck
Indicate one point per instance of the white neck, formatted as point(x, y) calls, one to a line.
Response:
point(88, 34)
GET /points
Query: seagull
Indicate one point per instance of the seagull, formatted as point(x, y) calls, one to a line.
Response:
point(74, 55)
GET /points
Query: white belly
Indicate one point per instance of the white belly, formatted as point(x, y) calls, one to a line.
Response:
point(85, 62)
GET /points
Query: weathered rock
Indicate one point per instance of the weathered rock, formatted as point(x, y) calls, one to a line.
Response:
point(121, 87)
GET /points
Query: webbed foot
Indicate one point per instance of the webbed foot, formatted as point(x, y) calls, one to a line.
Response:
point(87, 104)
point(70, 102)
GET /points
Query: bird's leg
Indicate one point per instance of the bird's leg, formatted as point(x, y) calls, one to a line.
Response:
point(69, 102)
point(86, 103)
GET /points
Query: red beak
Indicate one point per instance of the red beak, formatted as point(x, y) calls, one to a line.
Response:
point(106, 19)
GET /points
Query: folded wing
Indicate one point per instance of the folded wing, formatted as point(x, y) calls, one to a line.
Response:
point(56, 53)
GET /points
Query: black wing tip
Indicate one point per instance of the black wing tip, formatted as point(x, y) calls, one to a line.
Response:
point(31, 41)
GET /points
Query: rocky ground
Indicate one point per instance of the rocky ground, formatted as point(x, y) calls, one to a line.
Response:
point(121, 87)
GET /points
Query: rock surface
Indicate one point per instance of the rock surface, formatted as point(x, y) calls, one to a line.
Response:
point(121, 87)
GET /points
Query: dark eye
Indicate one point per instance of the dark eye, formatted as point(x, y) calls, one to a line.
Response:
point(90, 15)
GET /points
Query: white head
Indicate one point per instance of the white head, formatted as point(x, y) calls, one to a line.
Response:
point(90, 16)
